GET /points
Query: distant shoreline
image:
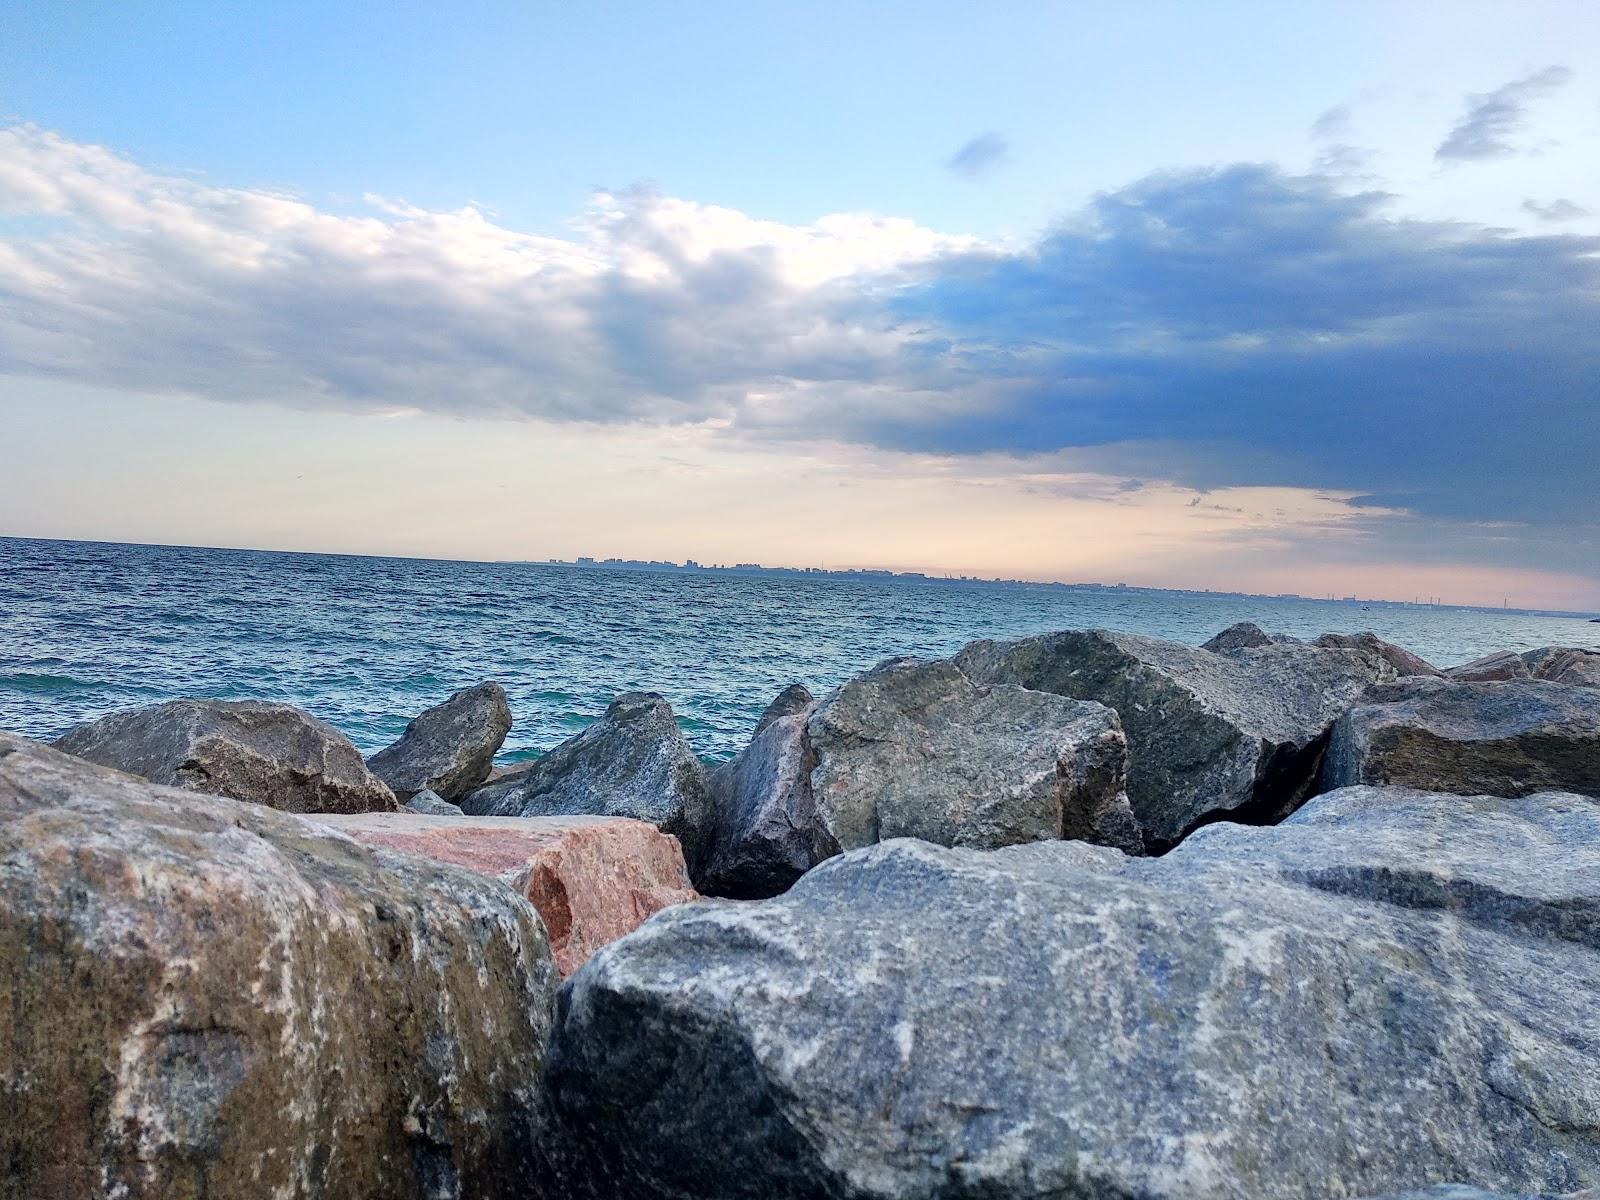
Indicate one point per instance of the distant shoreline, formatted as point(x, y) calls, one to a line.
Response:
point(854, 575)
point(922, 578)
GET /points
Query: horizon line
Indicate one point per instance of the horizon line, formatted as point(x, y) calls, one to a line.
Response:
point(662, 566)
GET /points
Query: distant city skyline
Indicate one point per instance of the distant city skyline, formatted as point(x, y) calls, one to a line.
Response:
point(1275, 299)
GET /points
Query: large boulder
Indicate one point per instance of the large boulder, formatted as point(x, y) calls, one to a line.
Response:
point(767, 830)
point(1402, 660)
point(202, 998)
point(917, 749)
point(256, 750)
point(1509, 738)
point(1235, 735)
point(593, 879)
point(450, 748)
point(633, 762)
point(1390, 989)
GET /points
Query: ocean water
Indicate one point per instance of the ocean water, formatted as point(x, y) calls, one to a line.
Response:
point(366, 643)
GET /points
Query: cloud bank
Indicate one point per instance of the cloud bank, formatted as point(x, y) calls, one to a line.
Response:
point(1235, 327)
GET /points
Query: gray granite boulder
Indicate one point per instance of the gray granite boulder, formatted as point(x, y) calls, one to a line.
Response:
point(256, 750)
point(917, 749)
point(429, 804)
point(1235, 735)
point(450, 748)
point(913, 749)
point(632, 762)
point(1402, 660)
point(1389, 989)
point(767, 832)
point(204, 998)
point(1507, 738)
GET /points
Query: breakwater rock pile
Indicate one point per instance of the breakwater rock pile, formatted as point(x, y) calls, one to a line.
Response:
point(1078, 915)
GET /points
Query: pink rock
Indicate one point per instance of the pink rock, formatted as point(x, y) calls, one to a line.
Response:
point(592, 879)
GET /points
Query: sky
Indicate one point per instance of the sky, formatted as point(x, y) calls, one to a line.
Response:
point(1244, 296)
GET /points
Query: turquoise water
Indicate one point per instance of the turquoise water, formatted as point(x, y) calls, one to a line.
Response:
point(366, 643)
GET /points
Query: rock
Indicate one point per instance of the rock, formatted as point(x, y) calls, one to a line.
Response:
point(767, 832)
point(428, 804)
point(202, 998)
point(796, 698)
point(1402, 660)
point(1389, 989)
point(255, 750)
point(917, 749)
point(1244, 635)
point(1235, 736)
point(1503, 664)
point(450, 748)
point(1508, 738)
point(1557, 664)
point(497, 773)
point(1564, 664)
point(1461, 1191)
point(633, 762)
point(592, 879)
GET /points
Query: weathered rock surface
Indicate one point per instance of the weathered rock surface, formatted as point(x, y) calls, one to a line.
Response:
point(1402, 660)
point(429, 804)
point(1564, 664)
point(1502, 664)
point(1389, 989)
point(593, 879)
point(796, 698)
point(1243, 635)
point(1235, 735)
point(1508, 738)
point(202, 998)
point(767, 832)
point(633, 762)
point(1461, 1191)
point(450, 748)
point(1556, 664)
point(255, 750)
point(917, 749)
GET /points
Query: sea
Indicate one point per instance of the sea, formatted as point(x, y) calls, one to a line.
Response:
point(366, 643)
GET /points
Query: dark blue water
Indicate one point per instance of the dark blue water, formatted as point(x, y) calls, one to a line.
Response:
point(366, 643)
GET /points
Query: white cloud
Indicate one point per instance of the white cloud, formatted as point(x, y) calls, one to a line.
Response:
point(656, 309)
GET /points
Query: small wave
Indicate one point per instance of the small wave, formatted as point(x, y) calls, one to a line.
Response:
point(47, 685)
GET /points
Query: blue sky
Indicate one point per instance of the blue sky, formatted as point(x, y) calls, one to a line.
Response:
point(1279, 295)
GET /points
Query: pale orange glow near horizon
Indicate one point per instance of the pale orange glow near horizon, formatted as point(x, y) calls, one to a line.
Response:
point(427, 486)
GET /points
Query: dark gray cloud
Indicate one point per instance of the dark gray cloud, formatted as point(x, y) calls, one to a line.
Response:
point(979, 156)
point(1494, 118)
point(1268, 329)
point(1555, 210)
